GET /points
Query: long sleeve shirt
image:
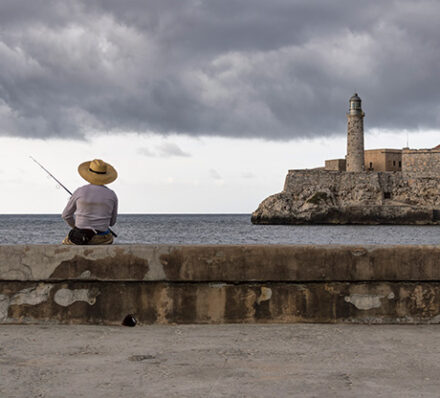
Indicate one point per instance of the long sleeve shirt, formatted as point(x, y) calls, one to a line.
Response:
point(92, 207)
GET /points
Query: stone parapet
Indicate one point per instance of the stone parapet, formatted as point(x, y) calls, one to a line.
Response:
point(217, 263)
point(218, 284)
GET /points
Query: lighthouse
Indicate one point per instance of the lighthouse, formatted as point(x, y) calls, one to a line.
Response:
point(355, 135)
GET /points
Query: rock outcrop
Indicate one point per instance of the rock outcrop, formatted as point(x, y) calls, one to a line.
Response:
point(333, 197)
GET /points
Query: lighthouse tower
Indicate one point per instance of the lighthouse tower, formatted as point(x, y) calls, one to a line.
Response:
point(355, 135)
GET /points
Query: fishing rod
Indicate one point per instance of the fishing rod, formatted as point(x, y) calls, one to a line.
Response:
point(48, 172)
point(61, 185)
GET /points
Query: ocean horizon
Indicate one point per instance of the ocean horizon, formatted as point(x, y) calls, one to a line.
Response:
point(215, 228)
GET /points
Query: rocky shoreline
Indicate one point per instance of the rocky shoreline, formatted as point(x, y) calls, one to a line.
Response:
point(333, 197)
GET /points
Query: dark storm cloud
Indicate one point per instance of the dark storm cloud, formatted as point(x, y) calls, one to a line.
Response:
point(250, 68)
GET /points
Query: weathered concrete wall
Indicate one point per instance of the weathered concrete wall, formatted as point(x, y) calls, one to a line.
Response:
point(218, 284)
point(218, 263)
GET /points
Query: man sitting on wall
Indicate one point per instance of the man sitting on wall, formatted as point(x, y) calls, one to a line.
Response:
point(92, 208)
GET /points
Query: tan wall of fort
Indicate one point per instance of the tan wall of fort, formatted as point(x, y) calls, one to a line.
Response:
point(383, 160)
point(368, 188)
point(336, 164)
point(374, 160)
point(421, 162)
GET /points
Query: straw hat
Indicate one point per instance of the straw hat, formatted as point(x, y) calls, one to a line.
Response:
point(97, 172)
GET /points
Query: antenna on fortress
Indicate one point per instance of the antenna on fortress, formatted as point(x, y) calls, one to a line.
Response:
point(407, 139)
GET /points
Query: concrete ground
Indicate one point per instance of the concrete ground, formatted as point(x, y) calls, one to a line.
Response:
point(296, 360)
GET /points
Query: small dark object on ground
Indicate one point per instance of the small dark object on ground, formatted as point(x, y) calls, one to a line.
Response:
point(129, 320)
point(139, 358)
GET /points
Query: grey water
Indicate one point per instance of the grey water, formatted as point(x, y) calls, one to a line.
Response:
point(215, 229)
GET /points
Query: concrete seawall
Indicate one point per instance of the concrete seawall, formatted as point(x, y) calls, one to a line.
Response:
point(219, 284)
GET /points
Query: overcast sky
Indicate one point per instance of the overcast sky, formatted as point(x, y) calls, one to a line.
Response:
point(163, 83)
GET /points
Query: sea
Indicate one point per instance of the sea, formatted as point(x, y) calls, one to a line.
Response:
point(215, 229)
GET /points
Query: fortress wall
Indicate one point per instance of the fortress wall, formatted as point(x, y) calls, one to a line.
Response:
point(383, 159)
point(373, 184)
point(217, 284)
point(421, 162)
point(297, 180)
point(333, 197)
point(336, 164)
point(366, 188)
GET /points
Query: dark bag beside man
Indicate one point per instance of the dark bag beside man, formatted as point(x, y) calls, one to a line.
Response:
point(80, 236)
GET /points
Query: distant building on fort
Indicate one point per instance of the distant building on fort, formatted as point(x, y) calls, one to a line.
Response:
point(419, 162)
point(374, 160)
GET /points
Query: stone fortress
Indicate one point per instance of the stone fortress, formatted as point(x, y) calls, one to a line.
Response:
point(376, 186)
point(421, 162)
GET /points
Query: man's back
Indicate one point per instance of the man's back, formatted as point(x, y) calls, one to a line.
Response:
point(95, 207)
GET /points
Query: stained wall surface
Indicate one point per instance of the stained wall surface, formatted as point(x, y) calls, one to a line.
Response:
point(219, 284)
